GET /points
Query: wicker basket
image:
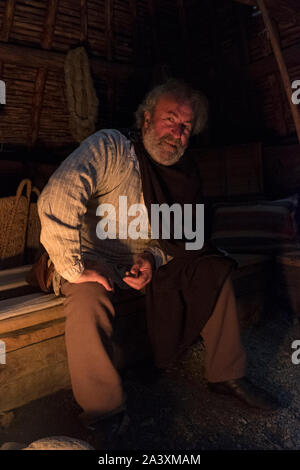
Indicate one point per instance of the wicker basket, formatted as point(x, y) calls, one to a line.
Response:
point(13, 222)
point(33, 244)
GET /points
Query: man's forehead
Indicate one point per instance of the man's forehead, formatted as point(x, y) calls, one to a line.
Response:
point(170, 103)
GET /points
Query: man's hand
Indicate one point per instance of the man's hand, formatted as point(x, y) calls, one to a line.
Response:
point(97, 273)
point(141, 271)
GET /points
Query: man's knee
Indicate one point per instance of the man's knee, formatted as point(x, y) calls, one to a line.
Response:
point(86, 297)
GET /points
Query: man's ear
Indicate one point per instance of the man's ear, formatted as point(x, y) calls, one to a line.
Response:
point(146, 119)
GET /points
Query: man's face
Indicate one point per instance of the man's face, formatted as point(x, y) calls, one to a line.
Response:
point(166, 133)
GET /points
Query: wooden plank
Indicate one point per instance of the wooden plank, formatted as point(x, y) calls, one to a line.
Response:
point(37, 103)
point(33, 372)
point(23, 362)
point(15, 277)
point(30, 319)
point(18, 339)
point(49, 24)
point(8, 19)
point(83, 21)
point(281, 63)
point(27, 304)
point(38, 384)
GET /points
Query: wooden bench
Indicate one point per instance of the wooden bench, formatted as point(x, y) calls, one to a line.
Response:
point(32, 326)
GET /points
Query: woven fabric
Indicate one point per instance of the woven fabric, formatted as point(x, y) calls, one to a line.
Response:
point(263, 225)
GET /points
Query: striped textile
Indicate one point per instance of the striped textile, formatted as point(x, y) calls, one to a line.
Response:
point(255, 226)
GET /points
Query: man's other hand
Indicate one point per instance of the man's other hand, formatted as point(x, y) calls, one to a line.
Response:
point(141, 271)
point(93, 275)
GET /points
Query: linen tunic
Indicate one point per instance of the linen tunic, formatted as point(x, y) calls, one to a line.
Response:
point(100, 170)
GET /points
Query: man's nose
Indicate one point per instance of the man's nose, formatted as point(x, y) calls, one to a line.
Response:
point(178, 130)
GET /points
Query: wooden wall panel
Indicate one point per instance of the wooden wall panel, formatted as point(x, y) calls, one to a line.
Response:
point(67, 26)
point(123, 31)
point(2, 11)
point(16, 115)
point(28, 22)
point(96, 27)
point(146, 45)
point(54, 119)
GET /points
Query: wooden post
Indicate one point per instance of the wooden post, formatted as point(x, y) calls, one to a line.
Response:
point(281, 63)
point(37, 103)
point(8, 20)
point(83, 21)
point(49, 24)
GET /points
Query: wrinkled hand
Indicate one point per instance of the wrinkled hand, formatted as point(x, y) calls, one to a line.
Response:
point(142, 268)
point(97, 273)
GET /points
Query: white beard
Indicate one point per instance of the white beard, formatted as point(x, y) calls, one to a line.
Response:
point(159, 150)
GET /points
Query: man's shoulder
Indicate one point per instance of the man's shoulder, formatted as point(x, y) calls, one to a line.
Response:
point(111, 137)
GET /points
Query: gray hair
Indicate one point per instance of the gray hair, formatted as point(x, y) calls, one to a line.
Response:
point(181, 90)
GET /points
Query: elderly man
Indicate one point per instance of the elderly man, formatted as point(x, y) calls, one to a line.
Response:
point(188, 293)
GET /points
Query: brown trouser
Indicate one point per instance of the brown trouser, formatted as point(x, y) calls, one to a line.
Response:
point(96, 383)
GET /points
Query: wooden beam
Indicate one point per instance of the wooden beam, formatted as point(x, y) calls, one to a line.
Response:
point(49, 24)
point(30, 319)
point(281, 63)
point(28, 56)
point(33, 372)
point(21, 55)
point(18, 339)
point(83, 21)
point(37, 103)
point(8, 19)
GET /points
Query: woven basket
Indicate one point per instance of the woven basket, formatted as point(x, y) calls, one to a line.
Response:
point(33, 244)
point(13, 223)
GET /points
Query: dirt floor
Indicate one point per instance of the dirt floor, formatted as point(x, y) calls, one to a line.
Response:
point(175, 410)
